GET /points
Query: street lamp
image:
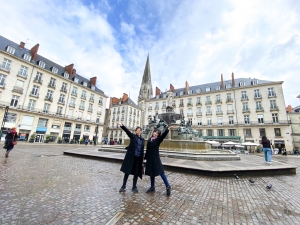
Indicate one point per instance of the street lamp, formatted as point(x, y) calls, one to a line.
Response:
point(96, 138)
point(3, 121)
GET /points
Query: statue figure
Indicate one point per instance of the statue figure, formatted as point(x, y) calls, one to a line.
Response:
point(145, 130)
point(173, 119)
point(170, 98)
point(182, 123)
point(161, 123)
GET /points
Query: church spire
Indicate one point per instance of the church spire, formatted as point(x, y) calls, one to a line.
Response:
point(146, 91)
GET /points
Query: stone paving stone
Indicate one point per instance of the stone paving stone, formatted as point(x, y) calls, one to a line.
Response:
point(40, 185)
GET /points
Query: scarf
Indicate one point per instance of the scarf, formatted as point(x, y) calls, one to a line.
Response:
point(153, 138)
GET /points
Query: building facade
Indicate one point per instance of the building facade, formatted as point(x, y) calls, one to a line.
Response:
point(240, 110)
point(125, 111)
point(43, 99)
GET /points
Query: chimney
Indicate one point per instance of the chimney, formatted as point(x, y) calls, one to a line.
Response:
point(69, 69)
point(187, 87)
point(222, 81)
point(171, 88)
point(125, 97)
point(33, 51)
point(22, 45)
point(233, 81)
point(157, 91)
point(289, 109)
point(110, 102)
point(93, 81)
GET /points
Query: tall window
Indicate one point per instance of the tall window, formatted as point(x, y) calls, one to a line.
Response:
point(100, 100)
point(38, 77)
point(245, 106)
point(189, 101)
point(46, 108)
point(198, 110)
point(61, 98)
point(49, 95)
point(199, 121)
point(262, 132)
point(164, 104)
point(10, 50)
point(210, 132)
point(27, 57)
point(31, 104)
point(220, 132)
point(72, 102)
point(92, 97)
point(277, 132)
point(244, 95)
point(273, 104)
point(230, 119)
point(246, 119)
point(59, 110)
point(220, 120)
point(2, 80)
point(11, 117)
point(229, 108)
point(228, 96)
point(52, 82)
point(74, 91)
point(198, 100)
point(81, 106)
point(256, 93)
point(218, 98)
point(248, 133)
point(271, 92)
point(260, 118)
point(219, 109)
point(208, 109)
point(83, 94)
point(207, 99)
point(208, 121)
point(6, 64)
point(35, 90)
point(64, 87)
point(231, 132)
point(90, 107)
point(23, 71)
point(258, 106)
point(42, 122)
point(190, 112)
point(275, 117)
point(181, 112)
point(181, 102)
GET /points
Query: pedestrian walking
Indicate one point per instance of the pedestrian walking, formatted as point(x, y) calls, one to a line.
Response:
point(86, 141)
point(267, 149)
point(10, 140)
point(154, 166)
point(132, 163)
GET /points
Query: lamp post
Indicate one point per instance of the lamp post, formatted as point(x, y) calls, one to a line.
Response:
point(96, 138)
point(3, 121)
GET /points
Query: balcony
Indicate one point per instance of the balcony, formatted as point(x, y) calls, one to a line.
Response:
point(257, 97)
point(163, 107)
point(219, 112)
point(199, 114)
point(34, 95)
point(218, 101)
point(49, 98)
point(156, 108)
point(229, 100)
point(81, 107)
point(51, 85)
point(208, 103)
point(74, 94)
point(61, 102)
point(67, 128)
point(272, 95)
point(90, 110)
point(259, 109)
point(122, 119)
point(274, 108)
point(181, 105)
point(230, 111)
point(72, 105)
point(91, 100)
point(83, 97)
point(199, 104)
point(208, 113)
point(99, 112)
point(118, 111)
point(246, 110)
point(189, 114)
point(39, 81)
point(18, 89)
point(245, 98)
point(100, 103)
point(189, 104)
point(114, 112)
point(149, 108)
point(123, 110)
point(174, 105)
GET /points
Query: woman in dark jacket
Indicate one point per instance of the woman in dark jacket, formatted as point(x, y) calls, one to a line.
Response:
point(133, 160)
point(11, 137)
point(154, 166)
point(267, 149)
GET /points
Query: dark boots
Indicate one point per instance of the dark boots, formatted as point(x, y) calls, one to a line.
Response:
point(134, 188)
point(151, 189)
point(168, 190)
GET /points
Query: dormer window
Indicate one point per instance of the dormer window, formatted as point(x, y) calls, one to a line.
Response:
point(93, 87)
point(27, 57)
point(253, 82)
point(242, 84)
point(227, 86)
point(181, 93)
point(157, 96)
point(10, 49)
point(198, 90)
point(218, 87)
point(42, 64)
point(54, 70)
point(76, 80)
point(66, 74)
point(84, 83)
point(164, 95)
point(190, 91)
point(207, 89)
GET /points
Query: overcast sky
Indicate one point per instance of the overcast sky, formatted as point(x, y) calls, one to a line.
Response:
point(188, 40)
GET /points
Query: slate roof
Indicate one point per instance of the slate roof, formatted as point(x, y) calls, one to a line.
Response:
point(19, 52)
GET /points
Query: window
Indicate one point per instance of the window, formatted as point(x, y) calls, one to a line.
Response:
point(164, 104)
point(181, 102)
point(86, 128)
point(83, 94)
point(207, 99)
point(220, 132)
point(52, 82)
point(93, 87)
point(220, 120)
point(256, 93)
point(208, 121)
point(248, 133)
point(74, 91)
point(227, 86)
point(76, 80)
point(228, 97)
point(190, 112)
point(189, 101)
point(199, 111)
point(254, 82)
point(84, 83)
point(31, 104)
point(273, 104)
point(230, 119)
point(242, 83)
point(38, 77)
point(64, 87)
point(81, 106)
point(46, 108)
point(229, 108)
point(10, 49)
point(231, 132)
point(200, 132)
point(92, 97)
point(246, 119)
point(6, 64)
point(244, 95)
point(54, 69)
point(271, 92)
point(79, 115)
point(11, 117)
point(181, 112)
point(66, 74)
point(208, 109)
point(190, 91)
point(49, 95)
point(100, 100)
point(35, 90)
point(59, 110)
point(42, 122)
point(198, 90)
point(42, 64)
point(218, 98)
point(90, 107)
point(198, 100)
point(210, 132)
point(262, 132)
point(258, 106)
point(2, 80)
point(61, 98)
point(207, 89)
point(23, 71)
point(260, 118)
point(275, 117)
point(70, 113)
point(277, 132)
point(72, 102)
point(218, 87)
point(245, 106)
point(219, 109)
point(199, 121)
point(181, 93)
point(27, 57)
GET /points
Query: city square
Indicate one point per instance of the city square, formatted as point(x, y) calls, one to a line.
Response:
point(41, 185)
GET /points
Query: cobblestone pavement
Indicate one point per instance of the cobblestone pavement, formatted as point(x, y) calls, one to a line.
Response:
point(40, 185)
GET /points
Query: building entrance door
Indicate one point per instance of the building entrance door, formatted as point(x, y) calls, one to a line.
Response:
point(39, 138)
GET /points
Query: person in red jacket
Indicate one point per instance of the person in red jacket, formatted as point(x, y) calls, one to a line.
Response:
point(10, 140)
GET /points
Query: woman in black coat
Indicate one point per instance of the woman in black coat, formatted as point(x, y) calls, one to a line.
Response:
point(154, 166)
point(132, 163)
point(10, 138)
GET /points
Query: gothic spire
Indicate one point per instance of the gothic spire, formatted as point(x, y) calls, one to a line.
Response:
point(146, 85)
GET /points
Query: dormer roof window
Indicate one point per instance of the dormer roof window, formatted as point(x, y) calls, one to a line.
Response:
point(27, 57)
point(242, 84)
point(164, 95)
point(207, 89)
point(190, 91)
point(181, 93)
point(93, 87)
point(227, 86)
point(198, 90)
point(41, 64)
point(157, 96)
point(76, 80)
point(253, 82)
point(54, 70)
point(10, 49)
point(66, 74)
point(84, 83)
point(218, 87)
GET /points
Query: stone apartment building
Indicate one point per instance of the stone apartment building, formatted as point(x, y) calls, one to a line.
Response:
point(125, 111)
point(238, 109)
point(41, 97)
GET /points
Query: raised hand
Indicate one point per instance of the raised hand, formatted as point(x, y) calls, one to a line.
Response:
point(118, 123)
point(169, 128)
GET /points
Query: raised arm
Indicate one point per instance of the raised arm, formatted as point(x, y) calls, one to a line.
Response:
point(165, 133)
point(129, 134)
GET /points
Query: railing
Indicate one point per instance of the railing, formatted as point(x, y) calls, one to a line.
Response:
point(230, 111)
point(64, 90)
point(199, 113)
point(83, 97)
point(189, 114)
point(99, 112)
point(246, 110)
point(48, 98)
point(229, 100)
point(40, 81)
point(189, 104)
point(72, 104)
point(208, 113)
point(50, 85)
point(257, 97)
point(74, 94)
point(274, 108)
point(92, 100)
point(260, 109)
point(18, 89)
point(199, 103)
point(22, 75)
point(219, 112)
point(218, 101)
point(272, 96)
point(245, 98)
point(208, 103)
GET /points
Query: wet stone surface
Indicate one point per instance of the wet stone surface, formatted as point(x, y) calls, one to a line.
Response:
point(40, 185)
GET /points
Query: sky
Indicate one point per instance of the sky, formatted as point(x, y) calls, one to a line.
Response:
point(191, 40)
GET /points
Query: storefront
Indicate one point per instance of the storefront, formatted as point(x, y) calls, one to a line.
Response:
point(66, 136)
point(40, 134)
point(76, 136)
point(279, 144)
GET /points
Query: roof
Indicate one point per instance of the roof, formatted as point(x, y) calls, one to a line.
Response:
point(19, 52)
point(129, 101)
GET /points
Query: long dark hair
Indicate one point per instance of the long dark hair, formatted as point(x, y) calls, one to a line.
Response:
point(264, 140)
point(138, 128)
point(158, 131)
